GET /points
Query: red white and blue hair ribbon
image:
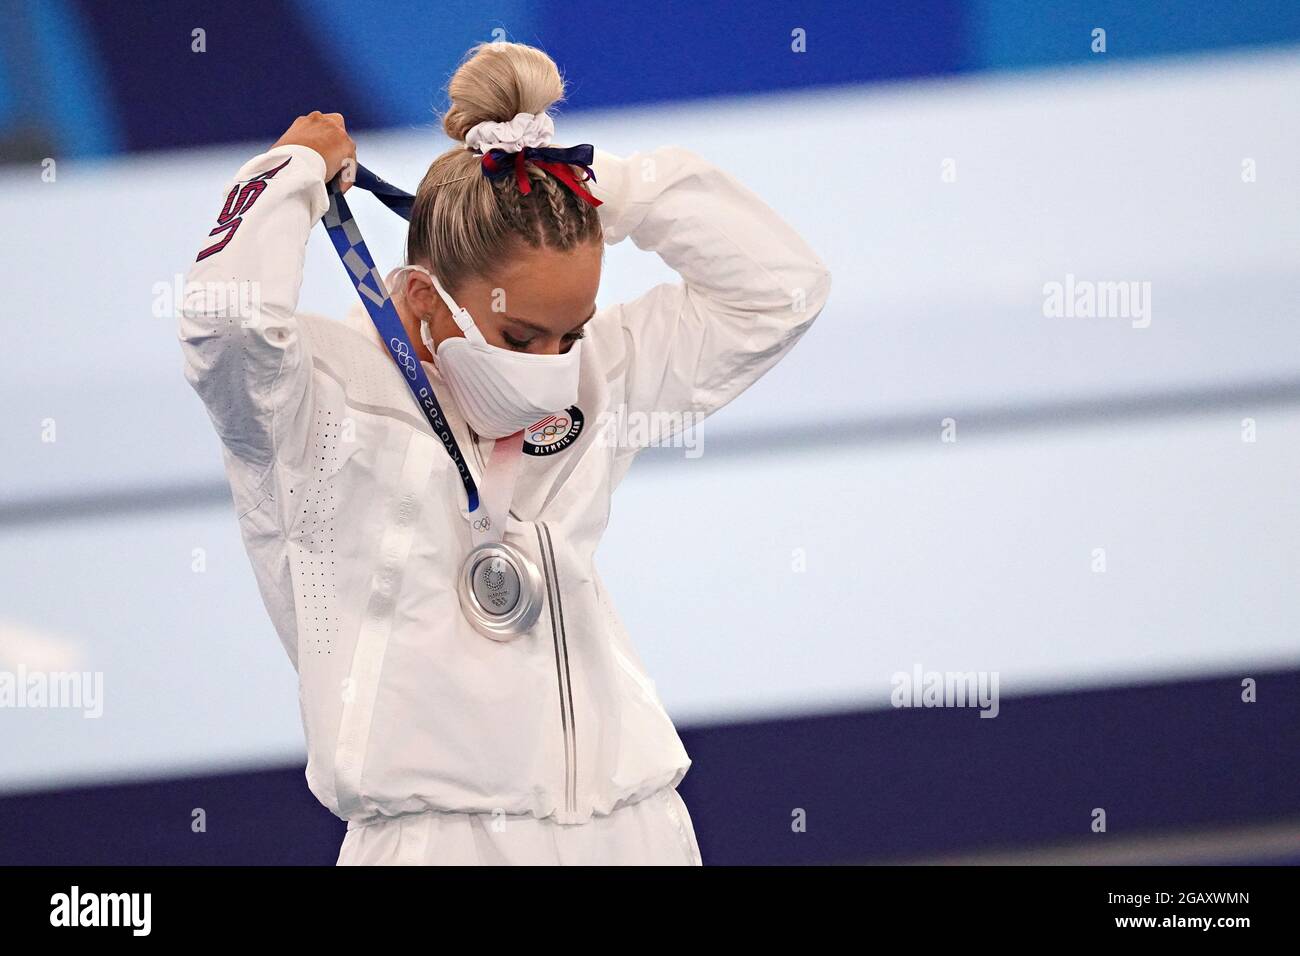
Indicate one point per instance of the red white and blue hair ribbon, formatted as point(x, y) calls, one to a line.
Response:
point(555, 160)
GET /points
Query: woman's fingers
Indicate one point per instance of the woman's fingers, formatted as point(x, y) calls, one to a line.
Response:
point(327, 134)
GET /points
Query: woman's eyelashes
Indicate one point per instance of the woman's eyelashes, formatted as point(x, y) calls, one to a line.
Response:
point(524, 344)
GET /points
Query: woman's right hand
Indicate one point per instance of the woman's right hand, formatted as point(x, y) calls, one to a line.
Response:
point(325, 133)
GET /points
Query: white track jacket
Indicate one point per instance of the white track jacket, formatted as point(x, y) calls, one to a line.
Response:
point(355, 520)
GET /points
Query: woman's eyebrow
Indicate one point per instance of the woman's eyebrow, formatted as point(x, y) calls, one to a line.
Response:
point(545, 331)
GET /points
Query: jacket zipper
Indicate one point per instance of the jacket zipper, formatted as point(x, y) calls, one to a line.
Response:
point(560, 640)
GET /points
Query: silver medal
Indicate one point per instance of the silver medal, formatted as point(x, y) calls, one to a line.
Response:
point(500, 591)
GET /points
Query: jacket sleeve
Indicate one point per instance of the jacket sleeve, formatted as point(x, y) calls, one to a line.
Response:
point(243, 351)
point(750, 286)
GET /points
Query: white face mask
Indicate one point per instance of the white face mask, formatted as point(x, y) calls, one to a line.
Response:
point(498, 390)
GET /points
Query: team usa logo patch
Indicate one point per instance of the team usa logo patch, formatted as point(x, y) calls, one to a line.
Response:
point(554, 433)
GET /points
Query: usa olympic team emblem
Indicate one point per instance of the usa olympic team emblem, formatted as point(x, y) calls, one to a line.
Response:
point(553, 433)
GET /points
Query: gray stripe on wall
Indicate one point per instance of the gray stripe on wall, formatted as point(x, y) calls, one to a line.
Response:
point(827, 436)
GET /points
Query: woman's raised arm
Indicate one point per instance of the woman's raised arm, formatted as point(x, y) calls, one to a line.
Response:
point(243, 352)
point(751, 286)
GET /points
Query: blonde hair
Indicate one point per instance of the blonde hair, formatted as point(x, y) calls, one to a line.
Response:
point(462, 223)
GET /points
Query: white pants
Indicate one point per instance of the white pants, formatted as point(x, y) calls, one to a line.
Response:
point(655, 831)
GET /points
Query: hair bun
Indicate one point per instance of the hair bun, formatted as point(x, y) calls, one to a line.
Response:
point(497, 81)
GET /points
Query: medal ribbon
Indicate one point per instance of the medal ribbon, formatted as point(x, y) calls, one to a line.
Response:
point(498, 489)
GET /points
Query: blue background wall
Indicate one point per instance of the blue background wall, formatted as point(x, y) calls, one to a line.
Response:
point(87, 78)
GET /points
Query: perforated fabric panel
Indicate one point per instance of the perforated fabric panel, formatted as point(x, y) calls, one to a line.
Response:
point(361, 366)
point(318, 587)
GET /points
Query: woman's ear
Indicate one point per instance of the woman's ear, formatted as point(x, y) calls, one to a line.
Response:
point(420, 294)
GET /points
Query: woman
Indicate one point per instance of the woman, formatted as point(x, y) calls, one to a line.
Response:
point(463, 704)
